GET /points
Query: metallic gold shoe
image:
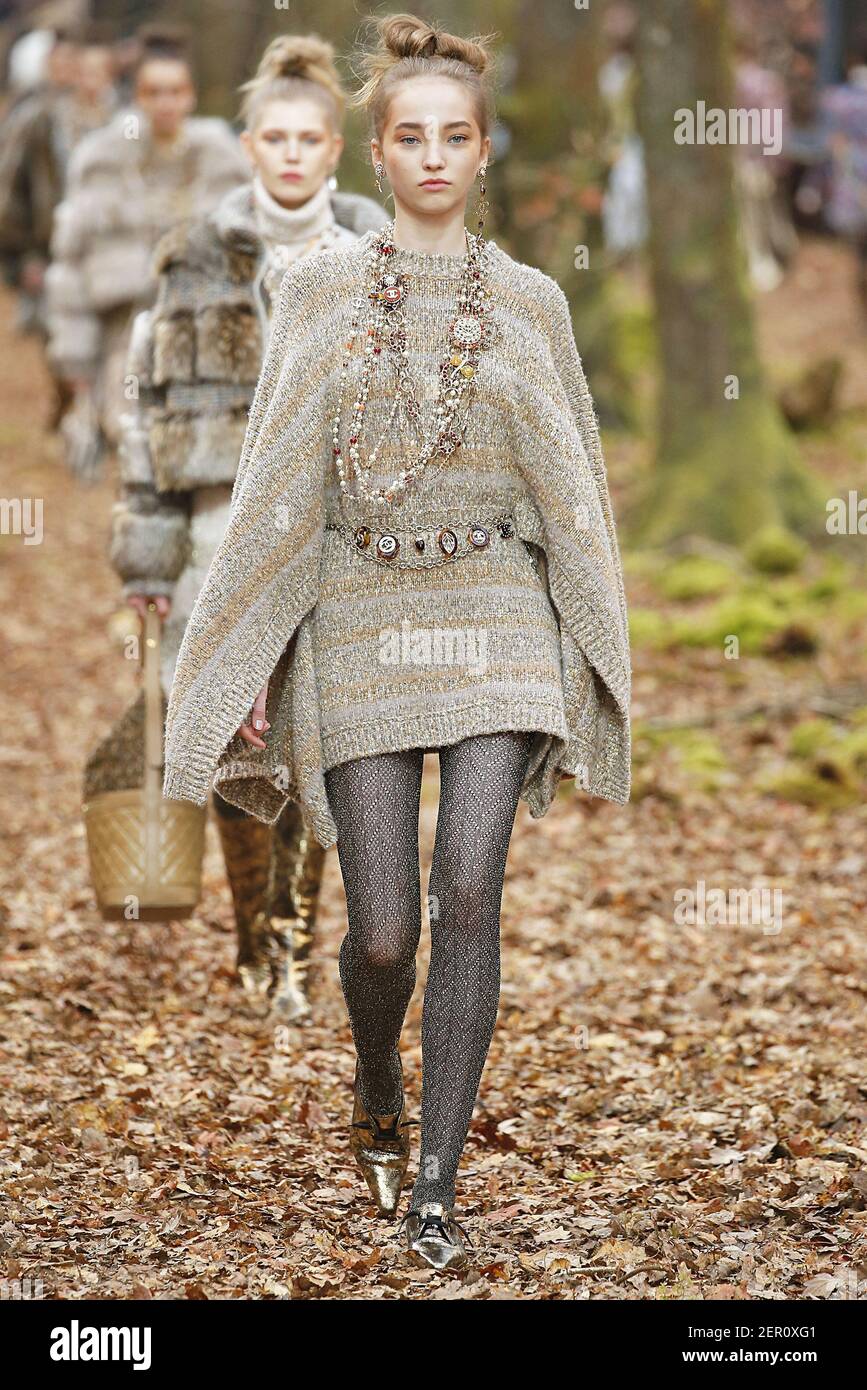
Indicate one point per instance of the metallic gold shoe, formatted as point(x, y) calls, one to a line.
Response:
point(381, 1147)
point(435, 1238)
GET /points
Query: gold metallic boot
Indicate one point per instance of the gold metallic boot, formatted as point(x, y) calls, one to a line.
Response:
point(297, 879)
point(381, 1147)
point(246, 844)
point(435, 1238)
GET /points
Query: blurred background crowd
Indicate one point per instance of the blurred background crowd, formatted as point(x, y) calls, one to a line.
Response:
point(586, 184)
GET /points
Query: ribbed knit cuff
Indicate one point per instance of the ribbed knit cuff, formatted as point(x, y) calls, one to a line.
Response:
point(178, 786)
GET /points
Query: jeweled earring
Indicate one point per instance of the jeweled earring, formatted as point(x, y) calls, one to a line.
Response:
point(483, 202)
point(332, 182)
point(379, 170)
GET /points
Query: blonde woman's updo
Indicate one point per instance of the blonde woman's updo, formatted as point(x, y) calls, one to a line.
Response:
point(292, 66)
point(409, 47)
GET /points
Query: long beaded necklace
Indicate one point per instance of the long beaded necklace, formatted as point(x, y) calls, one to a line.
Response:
point(469, 333)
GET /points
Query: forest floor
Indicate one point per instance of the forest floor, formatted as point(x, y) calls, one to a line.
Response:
point(669, 1110)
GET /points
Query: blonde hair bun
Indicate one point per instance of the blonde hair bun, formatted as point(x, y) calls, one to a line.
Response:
point(407, 47)
point(297, 55)
point(288, 61)
point(406, 36)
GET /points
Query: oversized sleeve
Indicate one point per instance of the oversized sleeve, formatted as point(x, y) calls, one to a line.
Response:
point(565, 473)
point(150, 531)
point(570, 370)
point(264, 577)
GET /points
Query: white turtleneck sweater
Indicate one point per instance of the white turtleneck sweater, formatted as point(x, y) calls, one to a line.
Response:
point(290, 233)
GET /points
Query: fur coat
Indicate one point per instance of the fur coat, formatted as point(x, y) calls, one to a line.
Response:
point(121, 197)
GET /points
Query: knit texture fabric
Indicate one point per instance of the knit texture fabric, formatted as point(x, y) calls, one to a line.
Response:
point(366, 658)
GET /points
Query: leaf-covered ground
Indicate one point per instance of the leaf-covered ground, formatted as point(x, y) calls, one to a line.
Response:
point(669, 1111)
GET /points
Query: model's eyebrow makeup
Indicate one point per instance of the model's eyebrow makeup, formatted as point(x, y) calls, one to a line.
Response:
point(288, 134)
point(431, 121)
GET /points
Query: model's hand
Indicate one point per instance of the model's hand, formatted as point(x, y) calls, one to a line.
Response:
point(256, 725)
point(140, 602)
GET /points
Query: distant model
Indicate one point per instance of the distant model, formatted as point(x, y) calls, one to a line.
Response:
point(129, 183)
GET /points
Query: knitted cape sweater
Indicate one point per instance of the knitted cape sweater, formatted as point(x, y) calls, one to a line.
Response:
point(368, 655)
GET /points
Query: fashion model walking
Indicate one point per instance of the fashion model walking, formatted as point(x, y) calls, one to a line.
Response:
point(420, 555)
point(151, 167)
point(196, 358)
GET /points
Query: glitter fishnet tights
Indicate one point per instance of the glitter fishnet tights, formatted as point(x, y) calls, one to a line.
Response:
point(375, 804)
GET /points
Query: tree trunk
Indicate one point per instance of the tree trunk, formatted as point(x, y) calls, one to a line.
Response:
point(724, 467)
point(550, 187)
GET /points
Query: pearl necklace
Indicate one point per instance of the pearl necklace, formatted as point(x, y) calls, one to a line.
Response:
point(469, 331)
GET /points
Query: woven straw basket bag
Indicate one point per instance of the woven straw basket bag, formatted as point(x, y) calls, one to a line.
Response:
point(145, 851)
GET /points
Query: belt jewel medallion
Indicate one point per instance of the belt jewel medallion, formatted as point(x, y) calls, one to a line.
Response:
point(448, 542)
point(387, 546)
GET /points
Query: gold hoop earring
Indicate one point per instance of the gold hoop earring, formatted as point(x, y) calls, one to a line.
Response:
point(379, 171)
point(484, 205)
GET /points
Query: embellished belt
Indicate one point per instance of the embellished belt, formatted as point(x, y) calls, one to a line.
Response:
point(422, 549)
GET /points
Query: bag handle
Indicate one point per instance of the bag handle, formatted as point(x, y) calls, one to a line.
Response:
point(153, 749)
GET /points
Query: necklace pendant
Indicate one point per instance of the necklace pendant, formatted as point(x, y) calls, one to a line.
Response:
point(467, 331)
point(391, 290)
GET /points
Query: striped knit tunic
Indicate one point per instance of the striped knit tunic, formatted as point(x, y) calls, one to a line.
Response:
point(368, 655)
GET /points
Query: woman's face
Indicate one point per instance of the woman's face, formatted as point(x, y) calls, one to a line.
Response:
point(431, 146)
point(164, 91)
point(293, 149)
point(95, 72)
